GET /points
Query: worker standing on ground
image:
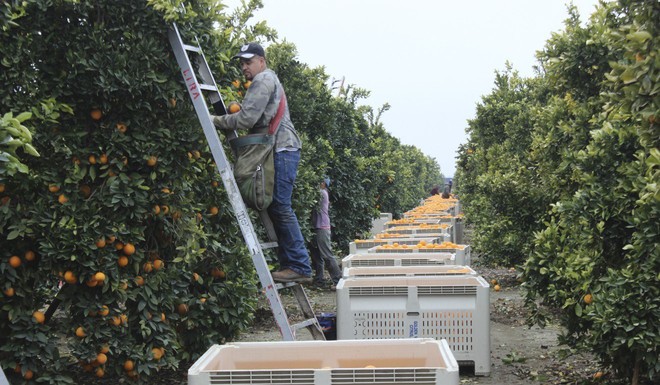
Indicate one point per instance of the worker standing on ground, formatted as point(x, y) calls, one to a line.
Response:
point(322, 256)
point(258, 108)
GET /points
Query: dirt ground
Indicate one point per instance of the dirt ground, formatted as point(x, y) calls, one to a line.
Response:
point(519, 355)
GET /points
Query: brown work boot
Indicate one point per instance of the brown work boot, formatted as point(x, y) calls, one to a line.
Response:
point(288, 275)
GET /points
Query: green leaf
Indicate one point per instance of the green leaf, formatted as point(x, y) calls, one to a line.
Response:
point(639, 36)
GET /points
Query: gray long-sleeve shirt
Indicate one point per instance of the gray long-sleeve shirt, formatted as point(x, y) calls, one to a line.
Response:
point(258, 109)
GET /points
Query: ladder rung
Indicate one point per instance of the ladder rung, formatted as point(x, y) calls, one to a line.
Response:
point(269, 245)
point(192, 48)
point(283, 285)
point(304, 324)
point(208, 87)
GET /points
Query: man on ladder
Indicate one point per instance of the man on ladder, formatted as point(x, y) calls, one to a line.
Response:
point(259, 107)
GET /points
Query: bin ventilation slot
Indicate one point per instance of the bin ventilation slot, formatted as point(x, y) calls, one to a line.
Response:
point(421, 262)
point(373, 262)
point(444, 290)
point(263, 377)
point(384, 376)
point(369, 325)
point(378, 290)
point(454, 326)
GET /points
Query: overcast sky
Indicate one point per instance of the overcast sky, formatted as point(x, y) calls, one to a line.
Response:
point(431, 60)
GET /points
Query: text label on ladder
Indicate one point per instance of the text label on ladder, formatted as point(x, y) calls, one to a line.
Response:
point(190, 83)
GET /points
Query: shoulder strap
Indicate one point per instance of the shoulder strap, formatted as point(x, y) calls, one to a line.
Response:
point(275, 122)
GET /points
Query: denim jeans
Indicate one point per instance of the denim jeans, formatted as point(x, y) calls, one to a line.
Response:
point(292, 253)
point(323, 258)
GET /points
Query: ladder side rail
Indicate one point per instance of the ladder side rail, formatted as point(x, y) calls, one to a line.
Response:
point(233, 193)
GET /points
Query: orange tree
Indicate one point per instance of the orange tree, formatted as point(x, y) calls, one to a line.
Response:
point(123, 209)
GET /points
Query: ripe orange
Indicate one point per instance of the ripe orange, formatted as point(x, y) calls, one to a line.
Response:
point(196, 154)
point(214, 183)
point(129, 249)
point(157, 353)
point(217, 273)
point(39, 317)
point(497, 288)
point(598, 375)
point(158, 264)
point(53, 188)
point(99, 276)
point(30, 256)
point(100, 372)
point(236, 83)
point(111, 239)
point(233, 107)
point(162, 317)
point(62, 199)
point(80, 332)
point(247, 84)
point(104, 312)
point(202, 300)
point(182, 309)
point(92, 283)
point(151, 161)
point(165, 209)
point(91, 159)
point(96, 114)
point(121, 127)
point(195, 277)
point(28, 374)
point(156, 209)
point(122, 261)
point(129, 365)
point(70, 277)
point(103, 159)
point(15, 261)
point(588, 299)
point(123, 318)
point(493, 282)
point(148, 267)
point(101, 358)
point(116, 321)
point(139, 280)
point(172, 102)
point(213, 210)
point(101, 243)
point(119, 246)
point(9, 292)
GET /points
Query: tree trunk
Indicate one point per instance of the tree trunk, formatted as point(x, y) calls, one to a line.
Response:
point(635, 378)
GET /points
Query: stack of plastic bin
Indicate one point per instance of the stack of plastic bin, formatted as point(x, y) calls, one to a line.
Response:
point(361, 246)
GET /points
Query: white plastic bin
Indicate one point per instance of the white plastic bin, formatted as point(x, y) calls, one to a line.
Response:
point(360, 246)
point(451, 308)
point(405, 361)
point(462, 255)
point(399, 259)
point(407, 271)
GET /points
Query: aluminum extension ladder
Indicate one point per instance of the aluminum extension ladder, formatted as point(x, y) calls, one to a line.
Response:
point(185, 55)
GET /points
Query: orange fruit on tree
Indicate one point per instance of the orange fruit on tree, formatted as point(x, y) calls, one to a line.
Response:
point(129, 249)
point(139, 280)
point(62, 199)
point(39, 317)
point(588, 299)
point(151, 161)
point(105, 349)
point(156, 209)
point(103, 159)
point(101, 243)
point(92, 283)
point(99, 372)
point(129, 365)
point(91, 159)
point(101, 358)
point(70, 277)
point(218, 273)
point(247, 84)
point(236, 83)
point(197, 154)
point(115, 320)
point(53, 188)
point(148, 267)
point(122, 261)
point(182, 309)
point(105, 310)
point(123, 318)
point(9, 292)
point(28, 374)
point(157, 353)
point(99, 276)
point(96, 114)
point(195, 277)
point(121, 127)
point(80, 332)
point(30, 256)
point(15, 261)
point(158, 264)
point(497, 288)
point(165, 209)
point(213, 210)
point(119, 246)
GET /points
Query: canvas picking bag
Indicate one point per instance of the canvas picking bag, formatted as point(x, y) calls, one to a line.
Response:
point(254, 169)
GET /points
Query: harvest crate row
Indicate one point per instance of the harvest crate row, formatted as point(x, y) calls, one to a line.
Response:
point(409, 311)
